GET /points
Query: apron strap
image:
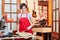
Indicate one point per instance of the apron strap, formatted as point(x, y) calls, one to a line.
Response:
point(26, 15)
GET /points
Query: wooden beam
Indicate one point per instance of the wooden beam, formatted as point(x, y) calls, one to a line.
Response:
point(50, 13)
point(3, 7)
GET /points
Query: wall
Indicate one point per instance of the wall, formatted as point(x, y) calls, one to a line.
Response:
point(30, 4)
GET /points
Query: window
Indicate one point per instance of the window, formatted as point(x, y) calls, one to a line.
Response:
point(55, 16)
point(10, 8)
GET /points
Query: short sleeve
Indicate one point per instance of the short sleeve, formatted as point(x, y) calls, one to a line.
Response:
point(19, 15)
point(29, 15)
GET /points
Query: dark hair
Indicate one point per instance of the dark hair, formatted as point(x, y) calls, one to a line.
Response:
point(23, 4)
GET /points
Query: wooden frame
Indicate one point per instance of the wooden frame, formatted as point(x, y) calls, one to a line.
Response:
point(55, 15)
point(3, 9)
point(55, 35)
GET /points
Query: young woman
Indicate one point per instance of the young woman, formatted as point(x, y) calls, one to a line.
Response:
point(25, 22)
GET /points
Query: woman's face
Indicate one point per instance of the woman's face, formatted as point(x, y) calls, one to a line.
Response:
point(24, 9)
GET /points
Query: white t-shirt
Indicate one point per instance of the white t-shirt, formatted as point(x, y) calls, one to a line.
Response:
point(24, 15)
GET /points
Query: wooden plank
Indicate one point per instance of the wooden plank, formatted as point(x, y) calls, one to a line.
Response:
point(42, 30)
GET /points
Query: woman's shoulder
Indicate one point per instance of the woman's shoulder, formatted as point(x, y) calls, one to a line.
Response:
point(19, 15)
point(29, 15)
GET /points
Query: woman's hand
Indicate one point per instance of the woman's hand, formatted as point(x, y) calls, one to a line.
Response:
point(29, 28)
point(17, 32)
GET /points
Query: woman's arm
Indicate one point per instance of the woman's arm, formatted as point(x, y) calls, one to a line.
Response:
point(30, 20)
point(18, 23)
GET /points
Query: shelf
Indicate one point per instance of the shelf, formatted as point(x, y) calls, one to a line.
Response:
point(42, 30)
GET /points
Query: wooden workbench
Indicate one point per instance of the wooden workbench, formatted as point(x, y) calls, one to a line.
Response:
point(14, 37)
point(43, 31)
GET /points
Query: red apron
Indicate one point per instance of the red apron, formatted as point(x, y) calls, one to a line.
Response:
point(24, 24)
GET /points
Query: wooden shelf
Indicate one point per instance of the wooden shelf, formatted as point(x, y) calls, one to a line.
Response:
point(43, 30)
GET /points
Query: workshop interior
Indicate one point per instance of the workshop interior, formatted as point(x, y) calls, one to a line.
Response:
point(29, 19)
